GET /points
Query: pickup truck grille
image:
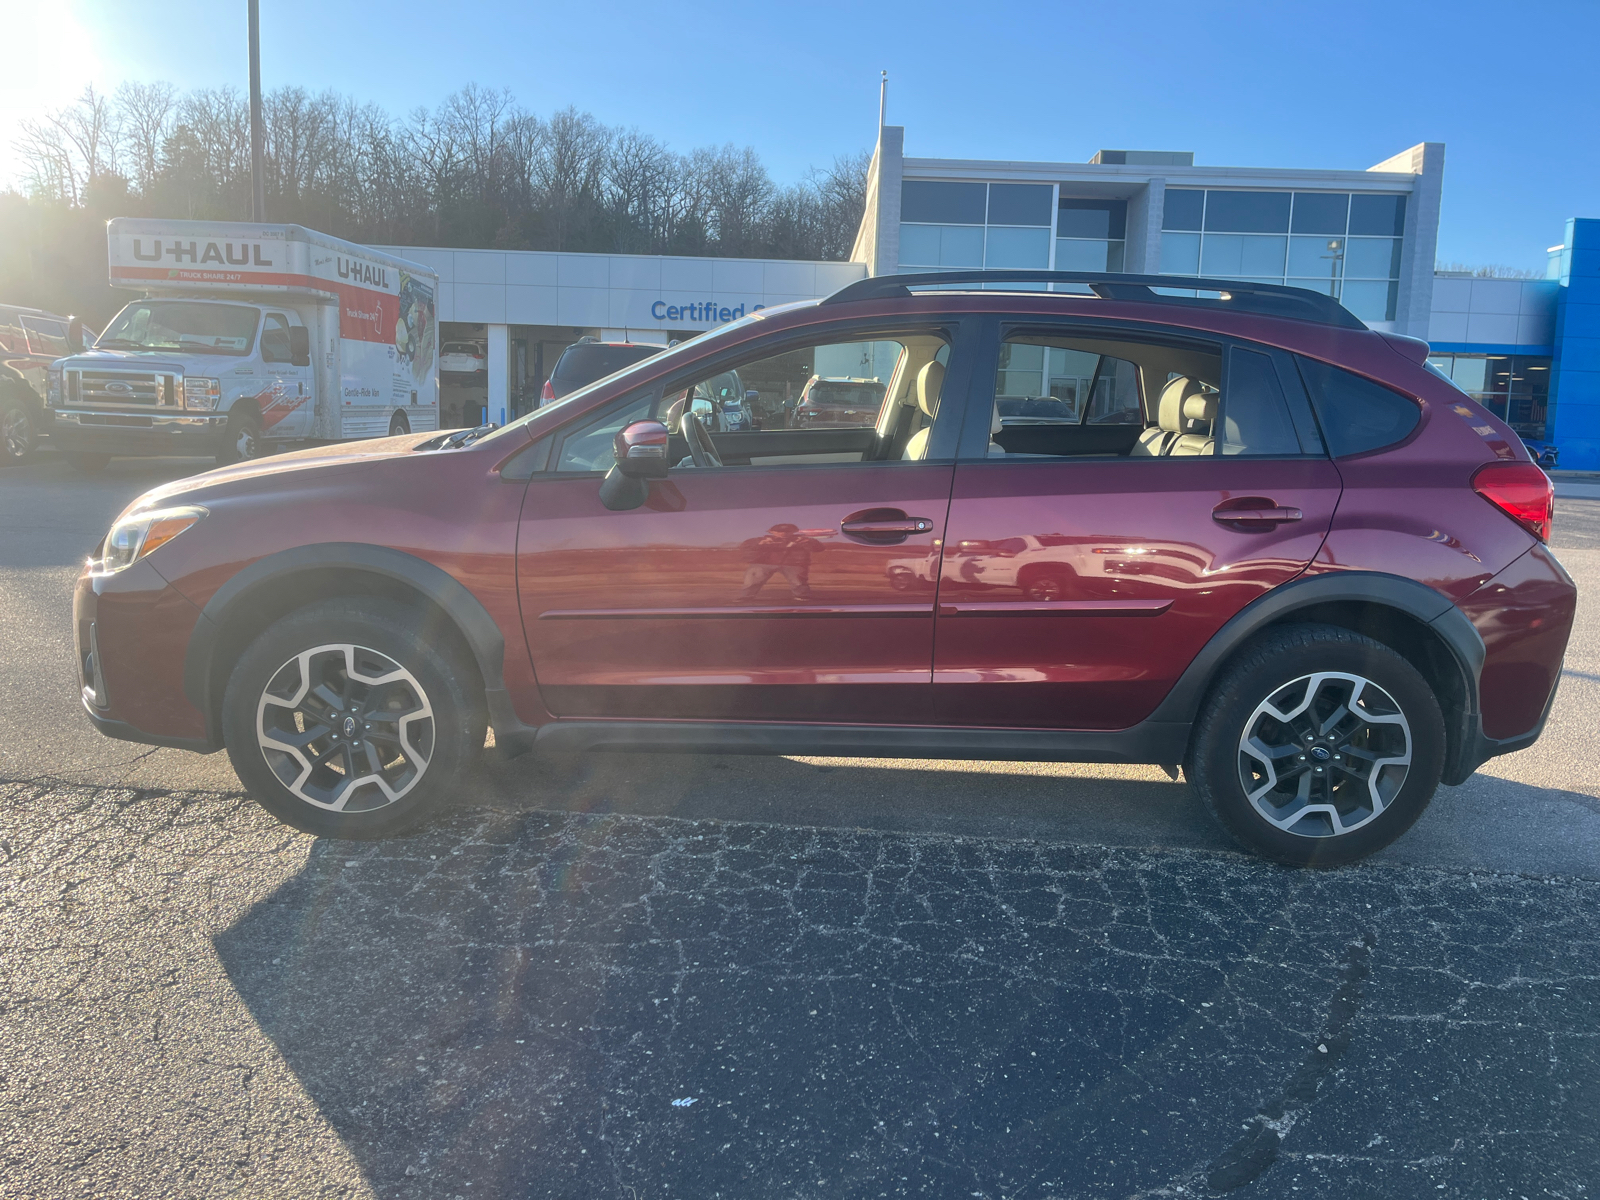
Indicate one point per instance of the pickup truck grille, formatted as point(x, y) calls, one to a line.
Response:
point(142, 388)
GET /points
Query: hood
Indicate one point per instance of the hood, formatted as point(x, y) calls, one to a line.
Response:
point(266, 473)
point(163, 360)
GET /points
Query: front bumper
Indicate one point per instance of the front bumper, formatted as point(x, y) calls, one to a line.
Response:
point(129, 633)
point(134, 433)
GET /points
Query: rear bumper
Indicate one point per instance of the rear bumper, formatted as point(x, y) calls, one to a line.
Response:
point(137, 433)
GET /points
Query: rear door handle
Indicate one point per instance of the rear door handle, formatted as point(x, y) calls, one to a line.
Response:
point(909, 525)
point(1253, 511)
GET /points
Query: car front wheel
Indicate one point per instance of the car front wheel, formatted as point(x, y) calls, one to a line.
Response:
point(1318, 746)
point(352, 718)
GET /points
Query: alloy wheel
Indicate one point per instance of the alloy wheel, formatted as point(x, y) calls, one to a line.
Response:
point(345, 728)
point(1325, 754)
point(16, 432)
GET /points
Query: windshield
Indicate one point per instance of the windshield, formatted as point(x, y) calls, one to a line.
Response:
point(182, 325)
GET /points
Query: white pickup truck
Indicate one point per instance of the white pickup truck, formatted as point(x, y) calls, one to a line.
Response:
point(249, 338)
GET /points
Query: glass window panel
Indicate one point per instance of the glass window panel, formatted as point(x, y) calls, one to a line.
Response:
point(1442, 363)
point(1327, 287)
point(1180, 253)
point(1092, 219)
point(1183, 208)
point(1247, 212)
point(919, 244)
point(1369, 300)
point(1320, 212)
point(1255, 415)
point(1469, 372)
point(1083, 255)
point(1235, 255)
point(1017, 248)
point(1315, 257)
point(1372, 258)
point(1019, 203)
point(961, 246)
point(942, 203)
point(1380, 216)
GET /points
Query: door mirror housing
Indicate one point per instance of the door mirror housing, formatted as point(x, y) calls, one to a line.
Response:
point(75, 335)
point(640, 448)
point(299, 346)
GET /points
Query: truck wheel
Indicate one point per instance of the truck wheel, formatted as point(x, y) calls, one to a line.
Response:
point(17, 434)
point(87, 462)
point(398, 425)
point(351, 718)
point(241, 437)
point(1317, 746)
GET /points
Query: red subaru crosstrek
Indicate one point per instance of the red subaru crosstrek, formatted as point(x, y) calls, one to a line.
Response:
point(1281, 552)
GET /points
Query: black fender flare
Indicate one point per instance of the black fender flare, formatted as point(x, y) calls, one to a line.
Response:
point(1416, 600)
point(477, 627)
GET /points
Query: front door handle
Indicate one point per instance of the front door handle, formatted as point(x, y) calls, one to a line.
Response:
point(1253, 512)
point(883, 526)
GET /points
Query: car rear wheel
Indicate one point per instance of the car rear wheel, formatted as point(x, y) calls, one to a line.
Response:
point(352, 718)
point(1318, 746)
point(18, 437)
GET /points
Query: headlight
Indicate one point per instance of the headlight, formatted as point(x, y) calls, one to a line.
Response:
point(201, 392)
point(136, 535)
point(53, 388)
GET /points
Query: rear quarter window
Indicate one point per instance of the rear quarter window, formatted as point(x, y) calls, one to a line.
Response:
point(1356, 414)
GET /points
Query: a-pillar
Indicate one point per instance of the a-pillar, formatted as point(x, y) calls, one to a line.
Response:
point(497, 401)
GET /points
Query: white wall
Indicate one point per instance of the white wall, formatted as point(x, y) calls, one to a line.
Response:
point(1493, 312)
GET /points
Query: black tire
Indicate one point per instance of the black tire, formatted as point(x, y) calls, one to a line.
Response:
point(1395, 711)
point(241, 436)
point(399, 426)
point(420, 757)
point(86, 461)
point(19, 431)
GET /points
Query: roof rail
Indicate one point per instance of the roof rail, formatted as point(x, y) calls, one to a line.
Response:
point(1262, 299)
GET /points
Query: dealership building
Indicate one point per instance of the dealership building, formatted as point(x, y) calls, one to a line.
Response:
point(1529, 349)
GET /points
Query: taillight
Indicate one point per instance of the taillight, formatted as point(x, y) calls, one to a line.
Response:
point(549, 392)
point(1520, 490)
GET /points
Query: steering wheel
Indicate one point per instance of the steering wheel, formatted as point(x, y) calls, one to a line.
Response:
point(701, 448)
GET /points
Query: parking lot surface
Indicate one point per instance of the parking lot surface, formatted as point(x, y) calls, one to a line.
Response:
point(703, 976)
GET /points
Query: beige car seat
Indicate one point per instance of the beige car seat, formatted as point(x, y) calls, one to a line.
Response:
point(1158, 440)
point(1199, 411)
point(929, 380)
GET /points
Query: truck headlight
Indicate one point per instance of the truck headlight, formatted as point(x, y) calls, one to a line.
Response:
point(53, 387)
point(137, 534)
point(201, 392)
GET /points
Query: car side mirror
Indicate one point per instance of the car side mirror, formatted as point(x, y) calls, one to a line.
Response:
point(75, 335)
point(299, 346)
point(750, 397)
point(640, 449)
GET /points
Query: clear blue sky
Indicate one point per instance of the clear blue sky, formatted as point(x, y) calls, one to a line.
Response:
point(1508, 87)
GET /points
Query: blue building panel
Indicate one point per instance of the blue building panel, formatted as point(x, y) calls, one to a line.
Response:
point(1575, 366)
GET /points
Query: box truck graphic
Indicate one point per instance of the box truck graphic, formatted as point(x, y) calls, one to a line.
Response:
point(250, 337)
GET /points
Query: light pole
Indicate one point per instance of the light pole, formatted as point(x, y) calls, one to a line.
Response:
point(258, 183)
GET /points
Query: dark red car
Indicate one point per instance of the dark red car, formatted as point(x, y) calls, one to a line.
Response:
point(1313, 573)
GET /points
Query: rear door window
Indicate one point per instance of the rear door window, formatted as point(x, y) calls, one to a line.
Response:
point(46, 337)
point(1255, 412)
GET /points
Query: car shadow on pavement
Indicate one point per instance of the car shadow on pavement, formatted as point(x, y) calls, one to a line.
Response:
point(612, 1004)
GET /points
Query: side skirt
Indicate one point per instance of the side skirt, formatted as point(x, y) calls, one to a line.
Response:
point(1149, 742)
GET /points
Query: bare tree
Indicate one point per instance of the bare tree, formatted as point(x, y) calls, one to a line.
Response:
point(145, 112)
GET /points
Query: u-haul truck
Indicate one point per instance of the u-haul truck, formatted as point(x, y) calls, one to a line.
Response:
point(249, 338)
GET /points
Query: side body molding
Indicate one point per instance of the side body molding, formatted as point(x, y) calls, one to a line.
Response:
point(460, 605)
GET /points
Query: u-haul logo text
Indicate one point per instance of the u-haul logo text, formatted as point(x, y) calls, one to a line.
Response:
point(364, 273)
point(233, 254)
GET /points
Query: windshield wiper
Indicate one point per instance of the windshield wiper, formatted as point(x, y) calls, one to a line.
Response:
point(454, 441)
point(105, 341)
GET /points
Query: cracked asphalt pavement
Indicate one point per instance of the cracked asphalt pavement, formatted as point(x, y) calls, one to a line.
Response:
point(615, 976)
